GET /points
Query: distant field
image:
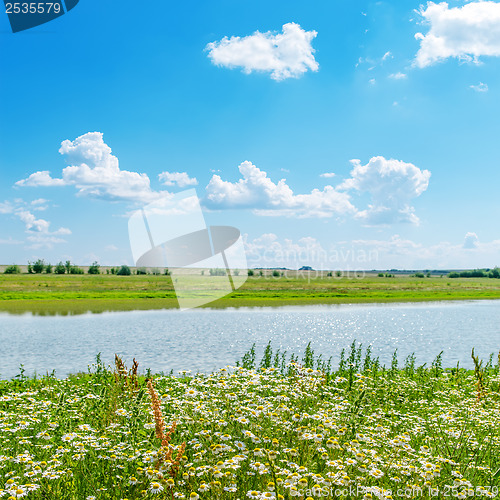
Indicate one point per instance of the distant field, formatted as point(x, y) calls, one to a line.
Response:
point(73, 294)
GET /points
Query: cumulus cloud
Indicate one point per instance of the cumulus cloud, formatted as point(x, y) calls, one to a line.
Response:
point(41, 179)
point(465, 33)
point(471, 241)
point(255, 190)
point(182, 179)
point(392, 185)
point(481, 87)
point(95, 172)
point(327, 175)
point(285, 55)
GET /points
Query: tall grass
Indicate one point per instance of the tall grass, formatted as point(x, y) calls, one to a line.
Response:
point(284, 426)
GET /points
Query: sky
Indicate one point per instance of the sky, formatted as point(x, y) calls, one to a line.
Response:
point(332, 133)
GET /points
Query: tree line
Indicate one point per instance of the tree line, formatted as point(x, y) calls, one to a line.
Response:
point(40, 266)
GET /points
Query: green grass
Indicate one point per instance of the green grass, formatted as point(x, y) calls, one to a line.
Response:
point(68, 294)
point(280, 428)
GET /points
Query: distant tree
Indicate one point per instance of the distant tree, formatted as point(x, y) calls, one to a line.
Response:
point(141, 270)
point(339, 274)
point(477, 273)
point(261, 273)
point(380, 275)
point(30, 267)
point(276, 273)
point(12, 270)
point(48, 268)
point(167, 272)
point(428, 275)
point(250, 272)
point(155, 271)
point(217, 272)
point(60, 268)
point(39, 266)
point(419, 275)
point(454, 275)
point(68, 266)
point(76, 270)
point(494, 273)
point(329, 274)
point(94, 268)
point(236, 272)
point(124, 271)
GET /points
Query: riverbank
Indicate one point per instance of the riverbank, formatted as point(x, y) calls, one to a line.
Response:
point(75, 294)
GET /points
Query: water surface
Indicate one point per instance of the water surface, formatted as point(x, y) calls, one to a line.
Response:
point(207, 339)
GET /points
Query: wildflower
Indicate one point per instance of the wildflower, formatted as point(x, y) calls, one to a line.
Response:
point(253, 494)
point(155, 488)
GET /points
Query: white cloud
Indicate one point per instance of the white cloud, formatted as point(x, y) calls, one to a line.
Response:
point(41, 179)
point(481, 87)
point(95, 172)
point(39, 240)
point(38, 230)
point(285, 55)
point(328, 175)
point(465, 33)
point(32, 223)
point(400, 253)
point(392, 184)
point(471, 241)
point(111, 248)
point(255, 190)
point(387, 55)
point(6, 207)
point(395, 252)
point(398, 76)
point(182, 179)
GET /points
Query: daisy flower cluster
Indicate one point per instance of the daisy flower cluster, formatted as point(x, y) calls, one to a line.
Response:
point(266, 432)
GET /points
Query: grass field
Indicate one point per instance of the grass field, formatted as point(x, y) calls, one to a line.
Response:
point(73, 294)
point(281, 429)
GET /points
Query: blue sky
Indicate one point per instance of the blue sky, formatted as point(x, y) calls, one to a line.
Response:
point(231, 98)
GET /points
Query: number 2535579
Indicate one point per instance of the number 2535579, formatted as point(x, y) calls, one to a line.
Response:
point(32, 8)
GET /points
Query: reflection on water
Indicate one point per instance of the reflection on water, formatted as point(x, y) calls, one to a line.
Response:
point(206, 339)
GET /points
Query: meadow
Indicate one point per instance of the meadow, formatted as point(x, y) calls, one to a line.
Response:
point(72, 294)
point(280, 428)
